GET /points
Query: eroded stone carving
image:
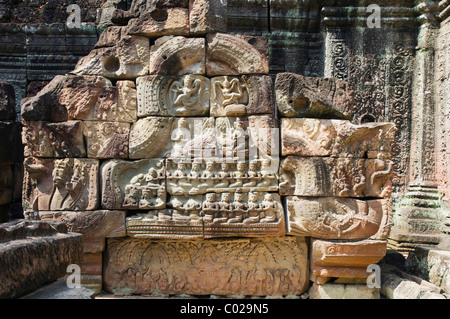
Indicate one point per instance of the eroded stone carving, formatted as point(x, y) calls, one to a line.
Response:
point(341, 177)
point(57, 140)
point(299, 96)
point(173, 96)
point(337, 138)
point(257, 267)
point(338, 218)
point(133, 185)
point(177, 56)
point(234, 55)
point(106, 139)
point(62, 184)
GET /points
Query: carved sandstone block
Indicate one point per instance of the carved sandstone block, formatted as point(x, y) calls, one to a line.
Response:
point(64, 139)
point(338, 218)
point(346, 260)
point(207, 16)
point(156, 137)
point(6, 184)
point(62, 184)
point(106, 139)
point(82, 98)
point(133, 184)
point(160, 22)
point(177, 56)
point(207, 175)
point(186, 95)
point(128, 59)
point(340, 177)
point(337, 138)
point(95, 226)
point(234, 55)
point(252, 214)
point(253, 267)
point(300, 96)
point(237, 96)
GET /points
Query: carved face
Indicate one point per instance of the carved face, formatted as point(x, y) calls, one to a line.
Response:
point(224, 167)
point(253, 197)
point(241, 166)
point(61, 173)
point(210, 197)
point(226, 197)
point(238, 197)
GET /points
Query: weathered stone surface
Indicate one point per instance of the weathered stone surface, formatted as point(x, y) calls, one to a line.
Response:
point(207, 16)
point(255, 267)
point(341, 177)
point(237, 96)
point(254, 214)
point(155, 137)
point(177, 56)
point(235, 55)
point(201, 177)
point(7, 102)
point(346, 260)
point(337, 138)
point(431, 264)
point(82, 98)
point(160, 22)
point(62, 184)
point(95, 226)
point(300, 96)
point(338, 218)
point(106, 139)
point(133, 184)
point(128, 59)
point(343, 291)
point(58, 140)
point(186, 95)
point(59, 290)
point(34, 253)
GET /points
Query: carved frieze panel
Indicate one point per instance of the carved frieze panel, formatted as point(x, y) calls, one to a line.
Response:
point(337, 138)
point(106, 139)
point(255, 267)
point(209, 176)
point(186, 95)
point(69, 184)
point(58, 140)
point(338, 218)
point(237, 96)
point(340, 177)
point(133, 184)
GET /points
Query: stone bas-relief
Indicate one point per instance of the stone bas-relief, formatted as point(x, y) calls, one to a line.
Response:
point(61, 184)
point(238, 267)
point(337, 138)
point(209, 176)
point(106, 139)
point(133, 184)
point(338, 218)
point(336, 177)
point(254, 214)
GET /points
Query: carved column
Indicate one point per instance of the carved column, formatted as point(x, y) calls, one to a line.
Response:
point(418, 217)
point(378, 64)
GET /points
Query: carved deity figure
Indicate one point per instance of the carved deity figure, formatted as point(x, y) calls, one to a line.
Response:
point(67, 184)
point(224, 176)
point(225, 207)
point(180, 137)
point(239, 208)
point(185, 93)
point(210, 208)
point(254, 209)
point(229, 94)
point(269, 209)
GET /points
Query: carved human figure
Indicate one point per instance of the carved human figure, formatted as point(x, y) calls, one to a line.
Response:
point(224, 176)
point(254, 209)
point(132, 196)
point(210, 207)
point(185, 93)
point(192, 209)
point(252, 174)
point(239, 208)
point(239, 175)
point(267, 175)
point(269, 209)
point(180, 137)
point(207, 176)
point(66, 187)
point(228, 94)
point(194, 177)
point(179, 177)
point(225, 207)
